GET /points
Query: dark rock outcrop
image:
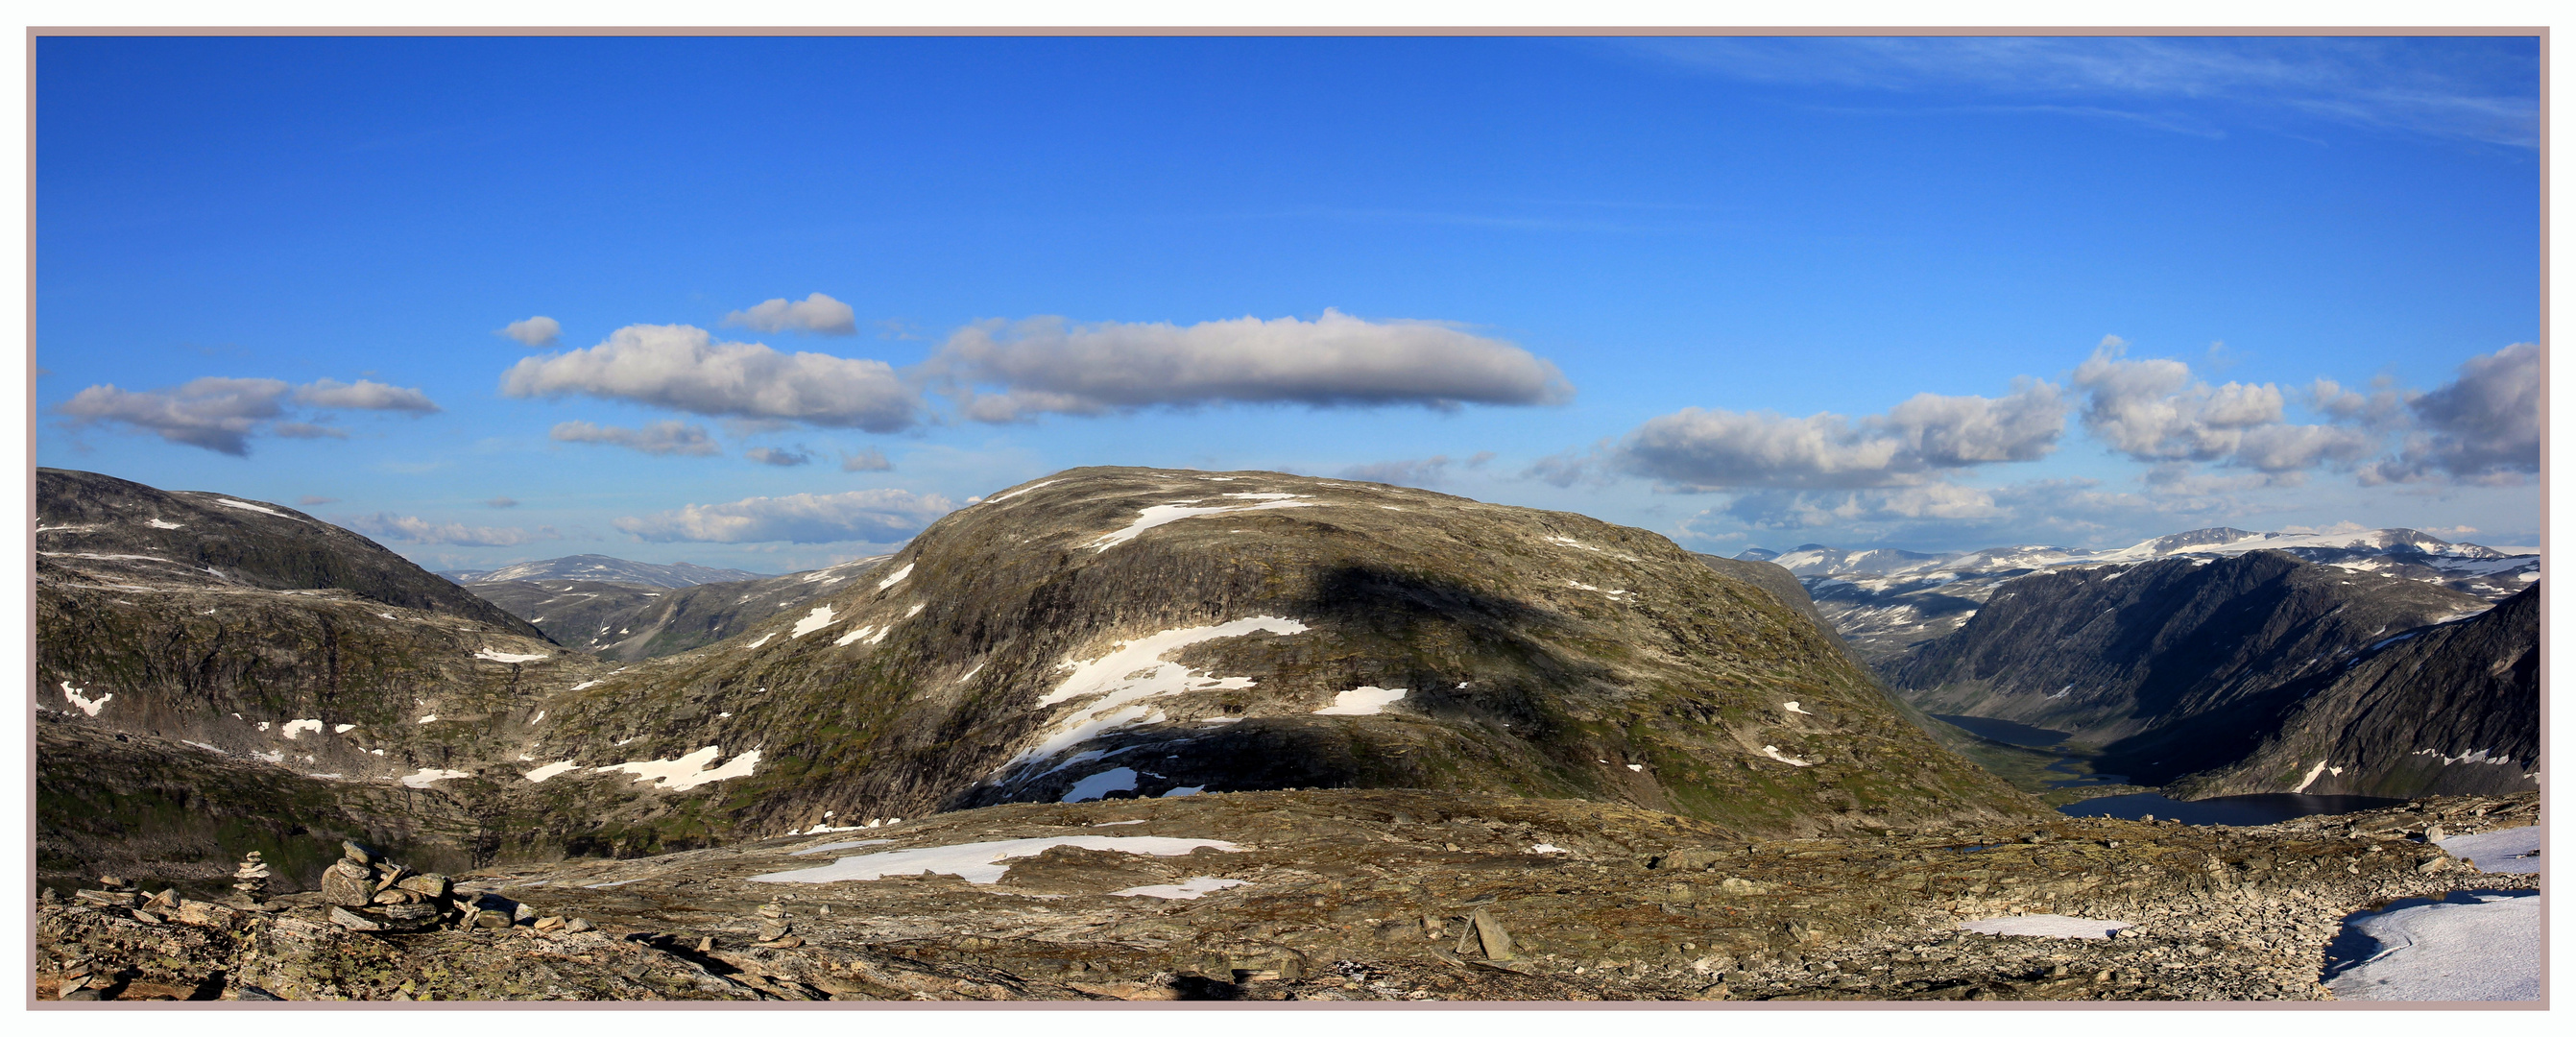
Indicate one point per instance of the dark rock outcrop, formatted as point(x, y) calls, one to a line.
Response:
point(2111, 653)
point(2443, 710)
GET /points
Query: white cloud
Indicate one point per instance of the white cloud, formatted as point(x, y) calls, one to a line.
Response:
point(683, 368)
point(2156, 411)
point(501, 502)
point(1696, 449)
point(660, 438)
point(363, 395)
point(817, 313)
point(876, 516)
point(411, 529)
point(221, 414)
point(2482, 427)
point(868, 460)
point(781, 457)
point(1047, 365)
point(534, 332)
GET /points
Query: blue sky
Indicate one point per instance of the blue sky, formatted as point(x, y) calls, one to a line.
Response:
point(1701, 286)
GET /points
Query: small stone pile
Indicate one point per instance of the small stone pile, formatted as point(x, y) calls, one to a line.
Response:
point(370, 894)
point(82, 978)
point(775, 929)
point(250, 881)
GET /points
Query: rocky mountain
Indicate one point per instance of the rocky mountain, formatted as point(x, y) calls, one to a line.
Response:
point(2448, 709)
point(1887, 602)
point(2177, 644)
point(1133, 631)
point(604, 569)
point(629, 622)
point(1101, 633)
point(120, 534)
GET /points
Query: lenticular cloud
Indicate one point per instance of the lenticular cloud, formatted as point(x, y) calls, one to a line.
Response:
point(686, 369)
point(1047, 365)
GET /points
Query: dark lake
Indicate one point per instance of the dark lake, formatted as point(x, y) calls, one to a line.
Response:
point(2004, 731)
point(2224, 810)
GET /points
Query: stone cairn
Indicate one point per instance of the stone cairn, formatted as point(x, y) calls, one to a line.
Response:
point(368, 893)
point(775, 929)
point(250, 881)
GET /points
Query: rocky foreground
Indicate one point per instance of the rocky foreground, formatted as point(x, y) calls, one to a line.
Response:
point(1351, 895)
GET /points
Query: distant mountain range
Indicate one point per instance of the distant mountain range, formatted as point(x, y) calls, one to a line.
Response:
point(628, 622)
point(604, 569)
point(1886, 601)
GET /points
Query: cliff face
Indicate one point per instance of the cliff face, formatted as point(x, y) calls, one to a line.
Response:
point(2112, 653)
point(2452, 709)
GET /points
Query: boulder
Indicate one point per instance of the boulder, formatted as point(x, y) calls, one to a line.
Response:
point(428, 884)
point(354, 921)
point(342, 888)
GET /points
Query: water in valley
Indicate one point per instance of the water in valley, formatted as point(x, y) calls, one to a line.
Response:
point(2264, 809)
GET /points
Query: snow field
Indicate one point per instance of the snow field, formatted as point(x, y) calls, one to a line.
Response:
point(2505, 851)
point(690, 771)
point(1365, 700)
point(508, 657)
point(88, 706)
point(1132, 672)
point(1117, 779)
point(421, 779)
point(1165, 514)
point(816, 620)
point(1190, 889)
point(2487, 949)
point(984, 862)
point(2064, 927)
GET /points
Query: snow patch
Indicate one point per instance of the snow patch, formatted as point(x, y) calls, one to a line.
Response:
point(508, 657)
point(1190, 889)
point(342, 729)
point(297, 727)
point(1547, 848)
point(248, 506)
point(1185, 790)
point(1117, 683)
point(898, 576)
point(2311, 779)
point(764, 639)
point(970, 674)
point(421, 779)
point(1362, 701)
point(983, 863)
point(1793, 707)
point(1773, 752)
point(1121, 779)
point(690, 771)
point(87, 705)
point(158, 524)
point(1165, 514)
point(2063, 927)
point(550, 770)
point(427, 719)
point(1000, 497)
point(816, 620)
